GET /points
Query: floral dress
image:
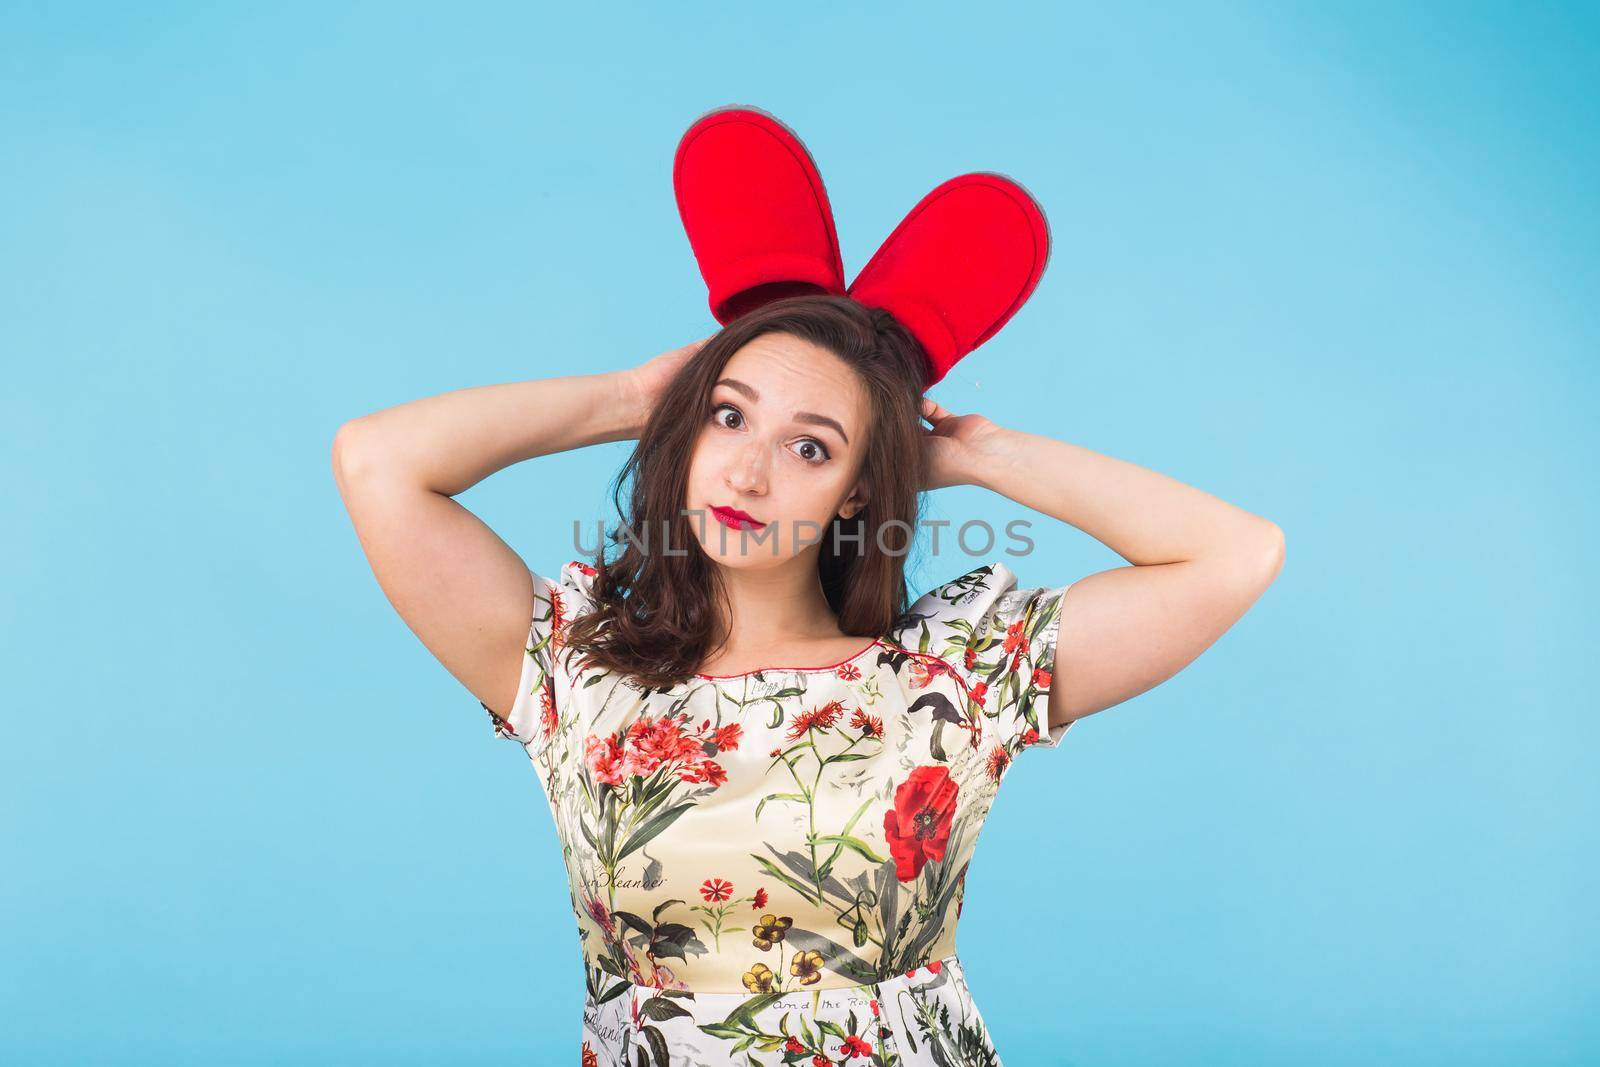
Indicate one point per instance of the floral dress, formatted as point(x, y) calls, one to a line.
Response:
point(767, 868)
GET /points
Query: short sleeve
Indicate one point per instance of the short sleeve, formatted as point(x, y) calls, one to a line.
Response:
point(1001, 641)
point(534, 716)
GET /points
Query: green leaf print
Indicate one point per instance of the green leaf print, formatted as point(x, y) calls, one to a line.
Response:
point(772, 869)
point(660, 1009)
point(853, 843)
point(641, 837)
point(801, 797)
point(658, 1045)
point(744, 1016)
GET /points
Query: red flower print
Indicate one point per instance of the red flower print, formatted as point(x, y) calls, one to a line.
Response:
point(793, 1045)
point(978, 692)
point(652, 742)
point(604, 758)
point(590, 1059)
point(761, 899)
point(821, 718)
point(547, 709)
point(598, 912)
point(924, 670)
point(819, 1060)
point(849, 672)
point(869, 725)
point(918, 826)
point(874, 1003)
point(935, 966)
point(855, 1046)
point(775, 753)
point(708, 771)
point(1016, 641)
point(998, 759)
point(969, 657)
point(1041, 678)
point(727, 737)
point(1030, 737)
point(716, 890)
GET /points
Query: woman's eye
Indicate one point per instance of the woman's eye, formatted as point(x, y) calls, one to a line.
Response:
point(717, 411)
point(819, 454)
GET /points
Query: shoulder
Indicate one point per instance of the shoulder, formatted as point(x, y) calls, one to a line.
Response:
point(561, 597)
point(572, 588)
point(558, 600)
point(963, 618)
point(958, 604)
point(999, 637)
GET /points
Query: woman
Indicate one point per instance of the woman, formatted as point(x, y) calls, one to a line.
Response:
point(767, 770)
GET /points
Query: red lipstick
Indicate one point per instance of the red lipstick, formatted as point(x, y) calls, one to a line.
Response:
point(735, 518)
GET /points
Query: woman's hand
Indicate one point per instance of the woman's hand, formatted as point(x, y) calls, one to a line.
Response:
point(647, 381)
point(953, 449)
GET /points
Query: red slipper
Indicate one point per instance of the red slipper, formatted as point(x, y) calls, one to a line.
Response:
point(755, 210)
point(960, 265)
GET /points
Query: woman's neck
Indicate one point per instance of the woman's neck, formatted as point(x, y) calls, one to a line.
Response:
point(778, 614)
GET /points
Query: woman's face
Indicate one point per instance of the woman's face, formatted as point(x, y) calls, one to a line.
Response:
point(783, 443)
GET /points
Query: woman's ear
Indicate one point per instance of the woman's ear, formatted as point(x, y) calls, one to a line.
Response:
point(853, 504)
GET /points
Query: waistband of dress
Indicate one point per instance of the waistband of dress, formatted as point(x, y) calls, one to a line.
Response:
point(920, 974)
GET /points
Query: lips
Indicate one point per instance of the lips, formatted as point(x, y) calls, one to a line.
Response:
point(737, 519)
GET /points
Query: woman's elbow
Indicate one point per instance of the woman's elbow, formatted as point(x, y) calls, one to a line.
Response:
point(1268, 555)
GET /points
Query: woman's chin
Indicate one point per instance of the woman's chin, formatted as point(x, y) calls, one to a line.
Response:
point(740, 548)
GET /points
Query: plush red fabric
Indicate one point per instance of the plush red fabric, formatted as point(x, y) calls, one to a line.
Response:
point(959, 265)
point(755, 211)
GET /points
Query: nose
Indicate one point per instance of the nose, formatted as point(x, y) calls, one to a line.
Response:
point(747, 472)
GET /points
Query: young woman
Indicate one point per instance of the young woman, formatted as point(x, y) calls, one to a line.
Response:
point(767, 769)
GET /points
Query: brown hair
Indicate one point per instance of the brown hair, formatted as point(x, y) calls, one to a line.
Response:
point(653, 618)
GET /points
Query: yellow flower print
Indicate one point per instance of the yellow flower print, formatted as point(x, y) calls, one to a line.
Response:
point(807, 966)
point(770, 930)
point(758, 979)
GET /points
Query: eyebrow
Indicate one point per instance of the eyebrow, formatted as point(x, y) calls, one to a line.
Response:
point(799, 416)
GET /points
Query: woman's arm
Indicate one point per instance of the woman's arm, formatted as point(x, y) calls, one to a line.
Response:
point(1198, 562)
point(460, 588)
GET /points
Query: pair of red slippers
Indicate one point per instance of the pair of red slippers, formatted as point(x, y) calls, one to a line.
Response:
point(955, 270)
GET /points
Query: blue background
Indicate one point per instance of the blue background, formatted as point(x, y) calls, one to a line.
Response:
point(1333, 263)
